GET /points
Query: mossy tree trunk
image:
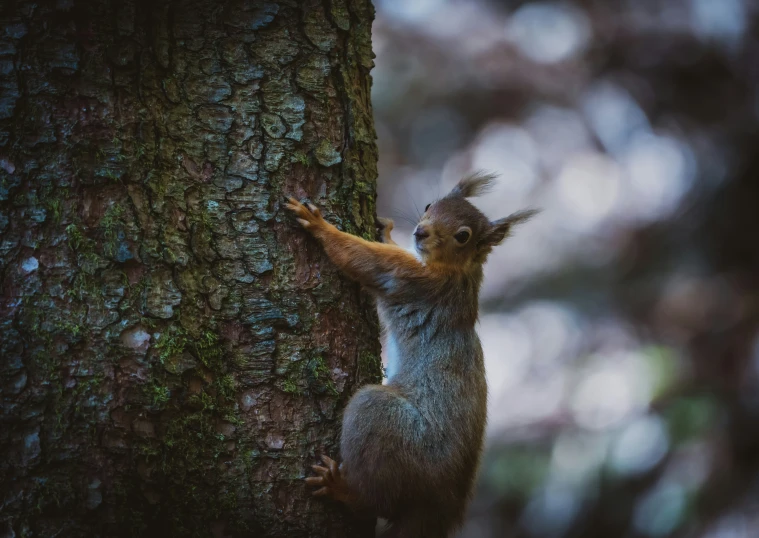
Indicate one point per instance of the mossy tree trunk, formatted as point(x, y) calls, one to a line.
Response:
point(175, 351)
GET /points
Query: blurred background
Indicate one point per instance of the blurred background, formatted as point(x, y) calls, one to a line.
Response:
point(621, 326)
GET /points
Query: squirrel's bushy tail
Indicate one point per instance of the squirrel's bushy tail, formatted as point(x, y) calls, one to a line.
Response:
point(427, 526)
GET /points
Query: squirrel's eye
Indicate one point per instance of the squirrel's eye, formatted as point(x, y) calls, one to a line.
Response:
point(462, 236)
point(426, 208)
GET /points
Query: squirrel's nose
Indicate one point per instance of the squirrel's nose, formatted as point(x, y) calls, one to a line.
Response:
point(421, 232)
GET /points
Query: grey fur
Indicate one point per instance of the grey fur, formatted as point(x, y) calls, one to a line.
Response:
point(475, 184)
point(412, 449)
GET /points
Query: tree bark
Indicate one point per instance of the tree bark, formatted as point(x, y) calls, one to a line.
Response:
point(175, 352)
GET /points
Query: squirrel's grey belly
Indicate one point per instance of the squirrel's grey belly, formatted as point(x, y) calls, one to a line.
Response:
point(390, 346)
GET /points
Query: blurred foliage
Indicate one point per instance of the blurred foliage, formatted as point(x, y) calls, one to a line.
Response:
point(621, 327)
point(691, 418)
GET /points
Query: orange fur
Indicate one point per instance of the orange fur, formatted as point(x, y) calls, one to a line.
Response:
point(369, 263)
point(387, 227)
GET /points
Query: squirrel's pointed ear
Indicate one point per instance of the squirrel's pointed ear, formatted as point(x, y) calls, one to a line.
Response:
point(501, 228)
point(475, 184)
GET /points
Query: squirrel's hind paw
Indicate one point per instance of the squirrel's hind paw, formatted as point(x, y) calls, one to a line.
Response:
point(330, 480)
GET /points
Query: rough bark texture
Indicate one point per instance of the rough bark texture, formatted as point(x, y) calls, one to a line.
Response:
point(175, 351)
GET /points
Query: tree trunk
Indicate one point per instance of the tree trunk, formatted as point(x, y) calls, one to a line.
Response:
point(176, 353)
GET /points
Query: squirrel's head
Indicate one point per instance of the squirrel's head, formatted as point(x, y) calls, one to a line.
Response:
point(454, 232)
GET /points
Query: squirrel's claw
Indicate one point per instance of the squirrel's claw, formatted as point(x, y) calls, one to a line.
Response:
point(321, 471)
point(314, 210)
point(321, 492)
point(315, 481)
point(334, 468)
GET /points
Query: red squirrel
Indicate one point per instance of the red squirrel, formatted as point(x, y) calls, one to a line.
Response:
point(411, 448)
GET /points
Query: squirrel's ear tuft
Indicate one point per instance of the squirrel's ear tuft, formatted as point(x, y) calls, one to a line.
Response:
point(501, 228)
point(475, 184)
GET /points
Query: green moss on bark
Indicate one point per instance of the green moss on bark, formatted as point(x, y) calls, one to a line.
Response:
point(176, 355)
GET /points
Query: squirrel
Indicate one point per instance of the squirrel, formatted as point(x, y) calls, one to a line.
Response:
point(411, 448)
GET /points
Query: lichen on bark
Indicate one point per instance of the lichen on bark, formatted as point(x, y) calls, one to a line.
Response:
point(175, 352)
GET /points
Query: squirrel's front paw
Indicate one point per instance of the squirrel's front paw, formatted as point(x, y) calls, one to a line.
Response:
point(386, 226)
point(330, 480)
point(308, 217)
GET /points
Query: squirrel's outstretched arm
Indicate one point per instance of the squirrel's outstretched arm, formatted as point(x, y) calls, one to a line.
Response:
point(379, 266)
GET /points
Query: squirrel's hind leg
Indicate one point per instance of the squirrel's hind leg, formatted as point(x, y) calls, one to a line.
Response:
point(382, 447)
